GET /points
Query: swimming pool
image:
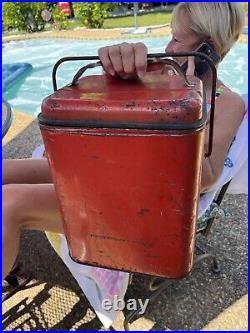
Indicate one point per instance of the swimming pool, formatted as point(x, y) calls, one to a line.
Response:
point(27, 94)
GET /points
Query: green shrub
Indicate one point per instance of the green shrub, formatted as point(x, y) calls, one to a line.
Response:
point(60, 18)
point(36, 9)
point(15, 14)
point(245, 7)
point(92, 14)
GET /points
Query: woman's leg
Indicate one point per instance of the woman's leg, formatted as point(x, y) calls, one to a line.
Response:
point(26, 171)
point(26, 206)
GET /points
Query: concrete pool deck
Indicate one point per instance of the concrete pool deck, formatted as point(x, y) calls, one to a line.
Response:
point(53, 300)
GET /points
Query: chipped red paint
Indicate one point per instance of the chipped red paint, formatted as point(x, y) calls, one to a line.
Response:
point(128, 197)
point(149, 100)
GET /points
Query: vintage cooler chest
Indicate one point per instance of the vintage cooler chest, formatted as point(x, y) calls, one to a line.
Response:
point(126, 163)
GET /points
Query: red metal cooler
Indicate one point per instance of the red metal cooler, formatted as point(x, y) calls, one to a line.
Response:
point(126, 162)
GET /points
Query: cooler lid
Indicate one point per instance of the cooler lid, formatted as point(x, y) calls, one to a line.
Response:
point(155, 102)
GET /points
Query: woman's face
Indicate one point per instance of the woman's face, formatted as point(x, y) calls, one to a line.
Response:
point(182, 42)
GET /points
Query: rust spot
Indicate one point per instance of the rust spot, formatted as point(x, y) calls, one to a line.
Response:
point(153, 257)
point(143, 211)
point(131, 104)
point(53, 104)
point(111, 238)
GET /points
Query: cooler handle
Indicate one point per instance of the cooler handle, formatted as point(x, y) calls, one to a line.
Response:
point(155, 60)
point(162, 58)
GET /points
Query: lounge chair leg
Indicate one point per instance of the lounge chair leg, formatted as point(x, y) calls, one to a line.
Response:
point(215, 267)
point(158, 285)
point(155, 283)
point(129, 317)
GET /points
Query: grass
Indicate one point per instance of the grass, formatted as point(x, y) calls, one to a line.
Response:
point(12, 33)
point(143, 20)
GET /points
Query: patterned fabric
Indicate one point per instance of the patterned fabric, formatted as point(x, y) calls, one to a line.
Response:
point(214, 211)
point(228, 162)
point(235, 167)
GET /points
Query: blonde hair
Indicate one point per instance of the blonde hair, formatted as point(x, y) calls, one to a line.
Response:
point(219, 23)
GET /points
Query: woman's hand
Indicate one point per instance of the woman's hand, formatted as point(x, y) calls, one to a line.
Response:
point(127, 60)
point(190, 67)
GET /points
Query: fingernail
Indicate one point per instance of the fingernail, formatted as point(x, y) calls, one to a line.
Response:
point(112, 72)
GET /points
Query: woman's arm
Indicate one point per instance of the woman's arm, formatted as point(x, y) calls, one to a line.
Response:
point(229, 113)
point(26, 171)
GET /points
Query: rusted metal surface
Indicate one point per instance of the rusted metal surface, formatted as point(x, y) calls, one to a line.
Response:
point(150, 100)
point(128, 197)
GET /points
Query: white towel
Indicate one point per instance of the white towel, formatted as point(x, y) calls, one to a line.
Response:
point(98, 283)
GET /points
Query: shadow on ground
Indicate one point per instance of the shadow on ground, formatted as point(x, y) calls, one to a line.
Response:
point(53, 300)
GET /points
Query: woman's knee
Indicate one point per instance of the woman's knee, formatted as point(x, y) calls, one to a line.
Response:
point(14, 197)
point(32, 206)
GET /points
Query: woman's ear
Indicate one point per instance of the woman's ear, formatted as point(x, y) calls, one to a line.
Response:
point(210, 42)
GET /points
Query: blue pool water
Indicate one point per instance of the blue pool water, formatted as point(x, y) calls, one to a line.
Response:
point(26, 95)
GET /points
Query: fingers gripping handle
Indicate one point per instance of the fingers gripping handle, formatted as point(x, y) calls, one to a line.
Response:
point(169, 62)
point(152, 58)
